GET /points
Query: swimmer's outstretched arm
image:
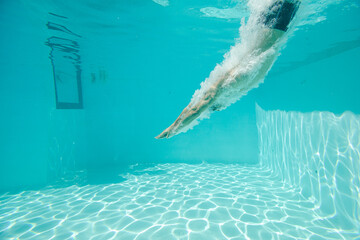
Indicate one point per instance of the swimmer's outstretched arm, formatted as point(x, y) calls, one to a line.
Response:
point(276, 22)
point(193, 111)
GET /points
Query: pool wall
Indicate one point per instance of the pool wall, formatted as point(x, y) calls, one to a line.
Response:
point(319, 153)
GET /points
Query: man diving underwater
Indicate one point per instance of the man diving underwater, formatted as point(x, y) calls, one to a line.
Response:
point(245, 67)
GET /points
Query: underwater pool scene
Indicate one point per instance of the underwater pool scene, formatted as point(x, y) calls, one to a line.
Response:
point(177, 119)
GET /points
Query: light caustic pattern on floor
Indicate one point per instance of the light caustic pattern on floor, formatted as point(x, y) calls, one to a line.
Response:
point(320, 153)
point(168, 201)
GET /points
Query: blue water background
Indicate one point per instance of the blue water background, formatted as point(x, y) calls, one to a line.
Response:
point(154, 58)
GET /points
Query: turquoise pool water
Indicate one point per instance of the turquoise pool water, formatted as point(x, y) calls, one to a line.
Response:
point(86, 86)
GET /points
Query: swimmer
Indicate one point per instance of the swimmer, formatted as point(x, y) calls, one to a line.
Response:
point(274, 23)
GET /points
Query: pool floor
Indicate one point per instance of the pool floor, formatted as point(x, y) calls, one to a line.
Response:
point(169, 201)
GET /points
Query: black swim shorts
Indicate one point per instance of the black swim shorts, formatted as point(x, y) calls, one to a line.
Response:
point(280, 14)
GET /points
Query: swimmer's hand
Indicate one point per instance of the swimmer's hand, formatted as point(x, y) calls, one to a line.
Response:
point(167, 133)
point(190, 113)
